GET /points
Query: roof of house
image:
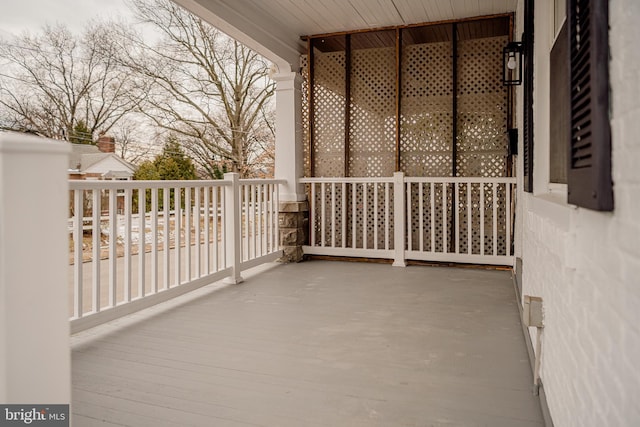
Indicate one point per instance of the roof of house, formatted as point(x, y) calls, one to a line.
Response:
point(84, 157)
point(117, 175)
point(89, 160)
point(77, 151)
point(104, 163)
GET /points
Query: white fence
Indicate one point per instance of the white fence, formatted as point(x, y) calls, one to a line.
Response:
point(467, 220)
point(149, 241)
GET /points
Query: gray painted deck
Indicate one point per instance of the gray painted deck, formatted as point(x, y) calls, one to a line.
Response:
point(316, 344)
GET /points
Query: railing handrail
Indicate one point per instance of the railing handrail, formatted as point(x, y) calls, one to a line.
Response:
point(411, 179)
point(453, 219)
point(81, 184)
point(346, 180)
point(259, 181)
point(462, 180)
point(212, 229)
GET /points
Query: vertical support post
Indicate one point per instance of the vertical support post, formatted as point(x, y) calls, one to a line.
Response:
point(78, 285)
point(293, 208)
point(386, 215)
point(347, 104)
point(399, 217)
point(216, 219)
point(34, 266)
point(96, 243)
point(154, 240)
point(207, 230)
point(365, 209)
point(289, 153)
point(177, 228)
point(166, 255)
point(142, 241)
point(187, 233)
point(310, 107)
point(454, 99)
point(323, 214)
point(454, 147)
point(127, 244)
point(233, 227)
point(398, 94)
point(198, 238)
point(113, 248)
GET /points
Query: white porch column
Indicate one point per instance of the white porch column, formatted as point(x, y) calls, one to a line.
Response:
point(233, 227)
point(294, 209)
point(34, 263)
point(289, 152)
point(399, 219)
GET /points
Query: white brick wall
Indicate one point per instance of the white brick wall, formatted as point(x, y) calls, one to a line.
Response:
point(586, 265)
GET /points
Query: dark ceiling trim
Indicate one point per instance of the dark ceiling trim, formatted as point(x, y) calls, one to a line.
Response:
point(423, 24)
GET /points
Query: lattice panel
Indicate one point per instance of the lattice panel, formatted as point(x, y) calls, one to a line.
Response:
point(329, 207)
point(426, 128)
point(426, 138)
point(500, 220)
point(373, 121)
point(304, 70)
point(481, 142)
point(437, 218)
point(501, 229)
point(432, 221)
point(334, 213)
point(464, 215)
point(329, 107)
point(376, 217)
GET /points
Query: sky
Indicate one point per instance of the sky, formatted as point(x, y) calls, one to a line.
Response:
point(20, 15)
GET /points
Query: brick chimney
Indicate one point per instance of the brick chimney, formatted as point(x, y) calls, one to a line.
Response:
point(106, 144)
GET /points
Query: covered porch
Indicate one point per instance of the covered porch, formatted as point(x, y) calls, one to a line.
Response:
point(318, 343)
point(331, 344)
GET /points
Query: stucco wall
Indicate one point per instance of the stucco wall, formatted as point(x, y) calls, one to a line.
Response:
point(585, 264)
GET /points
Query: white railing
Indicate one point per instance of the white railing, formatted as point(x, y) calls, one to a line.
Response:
point(467, 220)
point(351, 216)
point(149, 241)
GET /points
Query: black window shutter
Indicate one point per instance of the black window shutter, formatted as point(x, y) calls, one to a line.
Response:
point(527, 131)
point(589, 170)
point(559, 102)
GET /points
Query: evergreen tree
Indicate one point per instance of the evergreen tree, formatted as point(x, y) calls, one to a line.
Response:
point(172, 164)
point(218, 172)
point(81, 134)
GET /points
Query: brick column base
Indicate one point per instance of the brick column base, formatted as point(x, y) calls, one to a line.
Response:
point(293, 219)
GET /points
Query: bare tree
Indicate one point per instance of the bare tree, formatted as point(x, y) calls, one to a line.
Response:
point(56, 82)
point(135, 140)
point(210, 91)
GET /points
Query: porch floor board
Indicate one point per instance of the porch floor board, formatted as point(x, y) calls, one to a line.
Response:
point(320, 343)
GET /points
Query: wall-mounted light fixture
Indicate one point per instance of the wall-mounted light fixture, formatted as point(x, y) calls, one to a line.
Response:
point(512, 64)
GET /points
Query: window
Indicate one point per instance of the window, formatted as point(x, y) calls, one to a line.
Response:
point(560, 114)
point(589, 167)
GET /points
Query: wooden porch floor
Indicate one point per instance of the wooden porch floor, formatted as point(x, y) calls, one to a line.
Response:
point(319, 343)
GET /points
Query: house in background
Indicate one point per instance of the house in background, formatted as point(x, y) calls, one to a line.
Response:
point(98, 161)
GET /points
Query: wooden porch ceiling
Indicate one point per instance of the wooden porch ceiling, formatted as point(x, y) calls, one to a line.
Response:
point(466, 30)
point(274, 27)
